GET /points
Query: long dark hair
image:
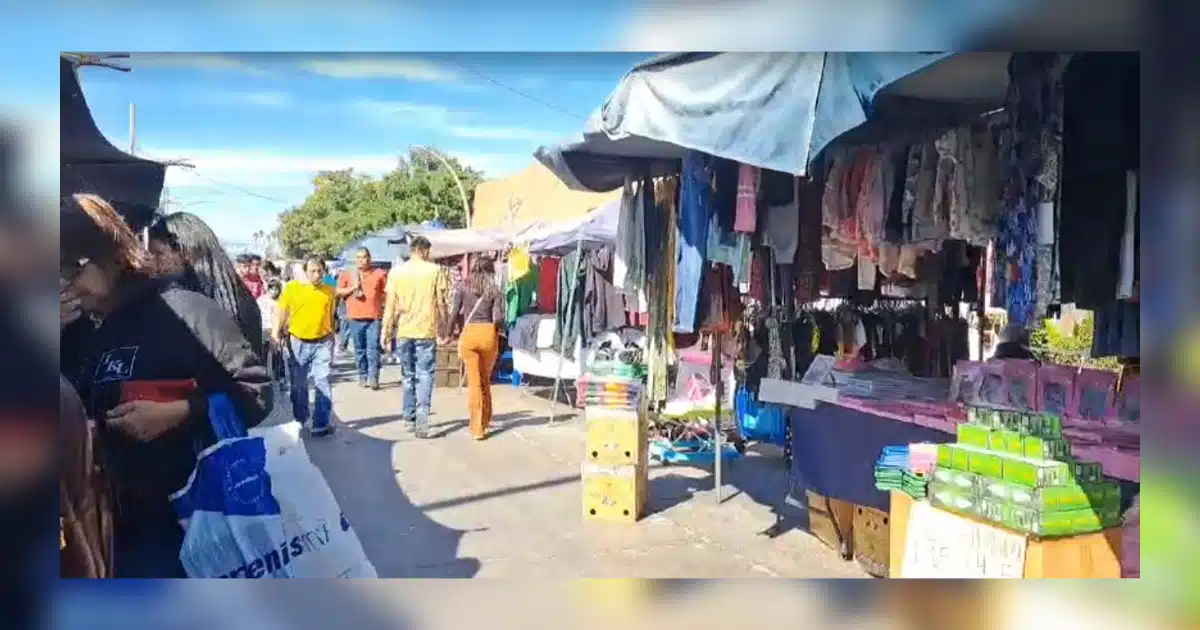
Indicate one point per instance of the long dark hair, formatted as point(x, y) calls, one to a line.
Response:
point(482, 280)
point(208, 269)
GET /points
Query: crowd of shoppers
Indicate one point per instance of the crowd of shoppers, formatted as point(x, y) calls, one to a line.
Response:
point(145, 352)
point(149, 331)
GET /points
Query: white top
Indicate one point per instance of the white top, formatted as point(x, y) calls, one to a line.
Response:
point(267, 306)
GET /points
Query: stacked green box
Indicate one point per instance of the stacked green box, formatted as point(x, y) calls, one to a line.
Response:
point(1016, 469)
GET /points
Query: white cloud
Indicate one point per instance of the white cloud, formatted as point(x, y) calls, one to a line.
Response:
point(196, 61)
point(777, 25)
point(404, 68)
point(494, 165)
point(401, 112)
point(267, 99)
point(503, 133)
point(259, 171)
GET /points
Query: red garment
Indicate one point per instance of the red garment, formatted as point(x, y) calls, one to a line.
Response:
point(547, 290)
point(254, 283)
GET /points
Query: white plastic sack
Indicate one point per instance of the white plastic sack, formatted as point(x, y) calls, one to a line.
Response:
point(257, 507)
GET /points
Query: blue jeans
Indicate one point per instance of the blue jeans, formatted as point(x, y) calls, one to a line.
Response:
point(365, 333)
point(417, 361)
point(311, 359)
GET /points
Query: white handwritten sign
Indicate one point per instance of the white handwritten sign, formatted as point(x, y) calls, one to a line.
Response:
point(941, 545)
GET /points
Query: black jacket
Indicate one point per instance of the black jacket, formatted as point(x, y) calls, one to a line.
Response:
point(162, 332)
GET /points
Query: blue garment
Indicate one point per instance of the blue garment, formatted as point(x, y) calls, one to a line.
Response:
point(311, 360)
point(365, 333)
point(417, 361)
point(1029, 106)
point(695, 212)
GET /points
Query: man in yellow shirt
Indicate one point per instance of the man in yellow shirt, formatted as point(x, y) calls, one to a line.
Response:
point(305, 314)
point(414, 312)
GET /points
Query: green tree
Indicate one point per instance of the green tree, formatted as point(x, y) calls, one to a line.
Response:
point(1052, 345)
point(345, 206)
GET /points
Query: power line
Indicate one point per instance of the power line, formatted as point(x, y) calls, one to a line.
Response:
point(514, 90)
point(237, 188)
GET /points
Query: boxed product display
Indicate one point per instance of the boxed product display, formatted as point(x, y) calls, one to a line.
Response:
point(1096, 391)
point(1129, 400)
point(1056, 390)
point(1016, 469)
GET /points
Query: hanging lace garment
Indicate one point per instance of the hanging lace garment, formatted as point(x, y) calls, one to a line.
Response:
point(978, 220)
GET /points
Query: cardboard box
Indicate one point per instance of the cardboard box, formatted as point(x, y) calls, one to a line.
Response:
point(953, 498)
point(1037, 447)
point(1085, 556)
point(1035, 473)
point(615, 438)
point(832, 522)
point(1087, 472)
point(1006, 441)
point(986, 464)
point(615, 494)
point(871, 540)
point(973, 434)
point(965, 482)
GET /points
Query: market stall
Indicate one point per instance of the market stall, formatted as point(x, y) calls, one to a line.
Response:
point(919, 185)
point(89, 163)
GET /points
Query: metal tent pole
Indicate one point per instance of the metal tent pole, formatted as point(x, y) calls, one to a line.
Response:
point(562, 344)
point(719, 389)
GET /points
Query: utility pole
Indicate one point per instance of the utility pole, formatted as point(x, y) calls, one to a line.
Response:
point(133, 129)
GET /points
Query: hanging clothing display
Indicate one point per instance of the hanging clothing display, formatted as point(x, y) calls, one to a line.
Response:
point(977, 221)
point(567, 315)
point(629, 266)
point(1117, 330)
point(603, 305)
point(1100, 146)
point(746, 213)
point(781, 221)
point(1029, 107)
point(660, 266)
point(695, 212)
point(807, 267)
point(547, 287)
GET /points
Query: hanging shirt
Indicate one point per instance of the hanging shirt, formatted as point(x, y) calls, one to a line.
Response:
point(547, 289)
point(746, 213)
point(519, 263)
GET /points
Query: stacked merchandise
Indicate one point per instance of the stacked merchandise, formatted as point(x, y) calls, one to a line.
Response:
point(1015, 469)
point(615, 471)
point(906, 468)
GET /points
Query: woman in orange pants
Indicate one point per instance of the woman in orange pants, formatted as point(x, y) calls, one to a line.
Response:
point(478, 312)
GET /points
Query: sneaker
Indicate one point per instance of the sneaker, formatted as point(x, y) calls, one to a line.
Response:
point(421, 433)
point(374, 385)
point(321, 432)
point(410, 425)
point(362, 382)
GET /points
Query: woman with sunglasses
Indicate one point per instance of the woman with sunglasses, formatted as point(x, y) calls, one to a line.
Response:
point(145, 355)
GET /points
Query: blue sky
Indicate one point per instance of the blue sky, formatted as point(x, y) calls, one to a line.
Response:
point(257, 127)
point(261, 124)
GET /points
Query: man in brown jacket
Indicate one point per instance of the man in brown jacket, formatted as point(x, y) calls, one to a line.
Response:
point(85, 508)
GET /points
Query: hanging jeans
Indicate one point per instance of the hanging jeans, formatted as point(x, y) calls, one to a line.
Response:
point(311, 360)
point(479, 346)
point(417, 357)
point(365, 333)
point(695, 208)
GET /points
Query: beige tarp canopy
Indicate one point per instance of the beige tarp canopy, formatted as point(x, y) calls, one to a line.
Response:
point(535, 195)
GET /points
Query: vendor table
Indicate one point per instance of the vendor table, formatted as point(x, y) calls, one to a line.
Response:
point(835, 446)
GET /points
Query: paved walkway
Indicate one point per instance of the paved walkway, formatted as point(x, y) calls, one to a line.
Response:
point(510, 506)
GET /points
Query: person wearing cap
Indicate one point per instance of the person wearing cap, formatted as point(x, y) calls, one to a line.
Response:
point(1014, 344)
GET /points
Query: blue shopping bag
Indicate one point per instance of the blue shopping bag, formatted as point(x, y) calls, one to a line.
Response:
point(256, 507)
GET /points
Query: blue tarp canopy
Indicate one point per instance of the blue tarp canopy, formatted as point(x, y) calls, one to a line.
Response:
point(385, 246)
point(593, 230)
point(773, 110)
